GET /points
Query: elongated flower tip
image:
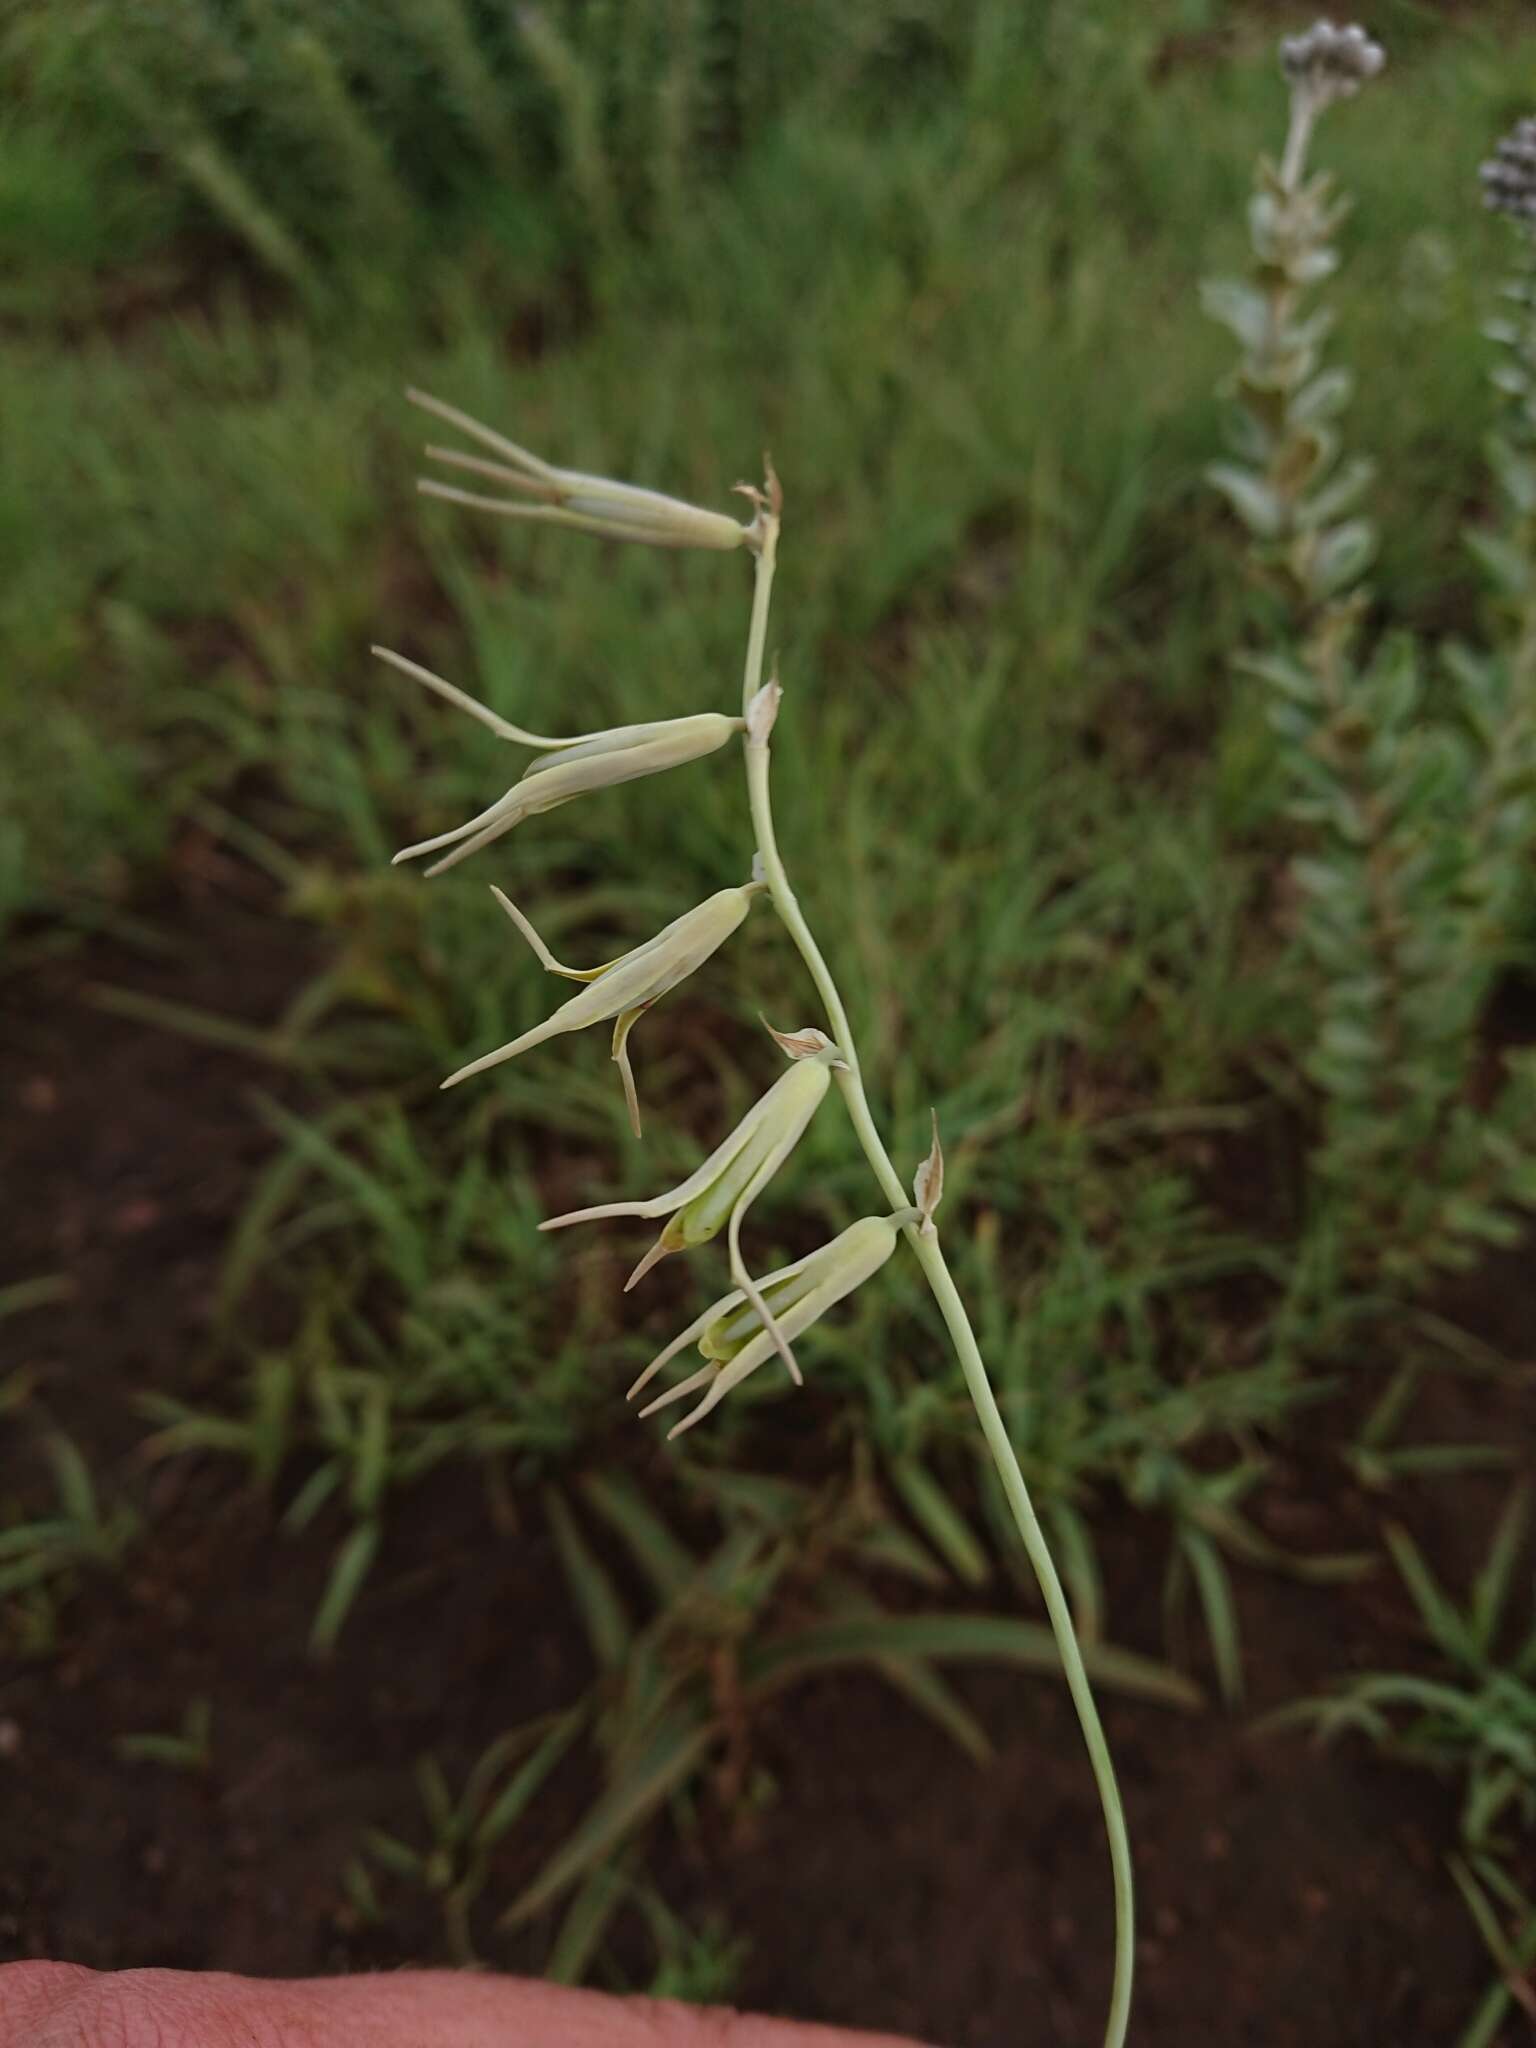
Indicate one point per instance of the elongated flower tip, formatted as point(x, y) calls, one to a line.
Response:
point(1329, 62)
point(1509, 175)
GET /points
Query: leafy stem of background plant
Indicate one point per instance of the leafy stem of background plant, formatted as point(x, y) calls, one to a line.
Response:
point(923, 1239)
point(1414, 822)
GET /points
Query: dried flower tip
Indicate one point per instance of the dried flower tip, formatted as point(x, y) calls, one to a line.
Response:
point(762, 712)
point(624, 988)
point(1509, 176)
point(719, 1193)
point(731, 1334)
point(807, 1044)
point(928, 1182)
point(1330, 63)
point(570, 767)
point(567, 497)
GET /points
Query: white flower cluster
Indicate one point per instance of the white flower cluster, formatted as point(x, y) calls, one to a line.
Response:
point(1330, 63)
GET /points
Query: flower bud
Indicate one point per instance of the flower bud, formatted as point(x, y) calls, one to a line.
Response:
point(735, 1339)
point(1330, 63)
point(566, 497)
point(724, 1187)
point(569, 768)
point(624, 988)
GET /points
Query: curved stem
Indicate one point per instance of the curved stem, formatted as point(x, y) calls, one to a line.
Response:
point(930, 1258)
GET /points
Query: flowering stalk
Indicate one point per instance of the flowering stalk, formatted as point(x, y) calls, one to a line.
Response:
point(759, 707)
point(742, 1329)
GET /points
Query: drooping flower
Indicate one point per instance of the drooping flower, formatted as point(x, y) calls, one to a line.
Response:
point(566, 497)
point(570, 767)
point(734, 1338)
point(625, 988)
point(722, 1189)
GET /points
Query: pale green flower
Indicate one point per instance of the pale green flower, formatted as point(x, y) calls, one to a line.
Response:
point(625, 988)
point(734, 1337)
point(571, 767)
point(724, 1187)
point(566, 497)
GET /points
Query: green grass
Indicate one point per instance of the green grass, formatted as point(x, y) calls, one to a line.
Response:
point(943, 262)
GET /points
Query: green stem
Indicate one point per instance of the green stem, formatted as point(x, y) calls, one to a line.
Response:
point(936, 1272)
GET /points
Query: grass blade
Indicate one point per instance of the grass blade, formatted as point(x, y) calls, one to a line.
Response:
point(522, 1787)
point(940, 1521)
point(967, 1638)
point(672, 1753)
point(666, 1562)
point(597, 1600)
point(353, 1563)
point(1214, 1588)
point(585, 1924)
point(1491, 1586)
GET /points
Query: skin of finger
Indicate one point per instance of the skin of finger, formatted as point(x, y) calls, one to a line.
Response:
point(55, 2005)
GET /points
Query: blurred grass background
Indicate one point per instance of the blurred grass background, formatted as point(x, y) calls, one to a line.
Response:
point(942, 260)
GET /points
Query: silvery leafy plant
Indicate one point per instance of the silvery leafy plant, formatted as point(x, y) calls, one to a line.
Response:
point(1416, 828)
point(760, 1319)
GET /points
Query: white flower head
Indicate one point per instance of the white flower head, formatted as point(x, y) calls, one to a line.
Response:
point(1330, 63)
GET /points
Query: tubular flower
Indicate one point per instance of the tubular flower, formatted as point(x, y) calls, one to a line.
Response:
point(625, 988)
point(567, 497)
point(735, 1173)
point(724, 1187)
point(570, 767)
point(734, 1338)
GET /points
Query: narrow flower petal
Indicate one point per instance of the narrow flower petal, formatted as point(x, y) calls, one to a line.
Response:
point(502, 727)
